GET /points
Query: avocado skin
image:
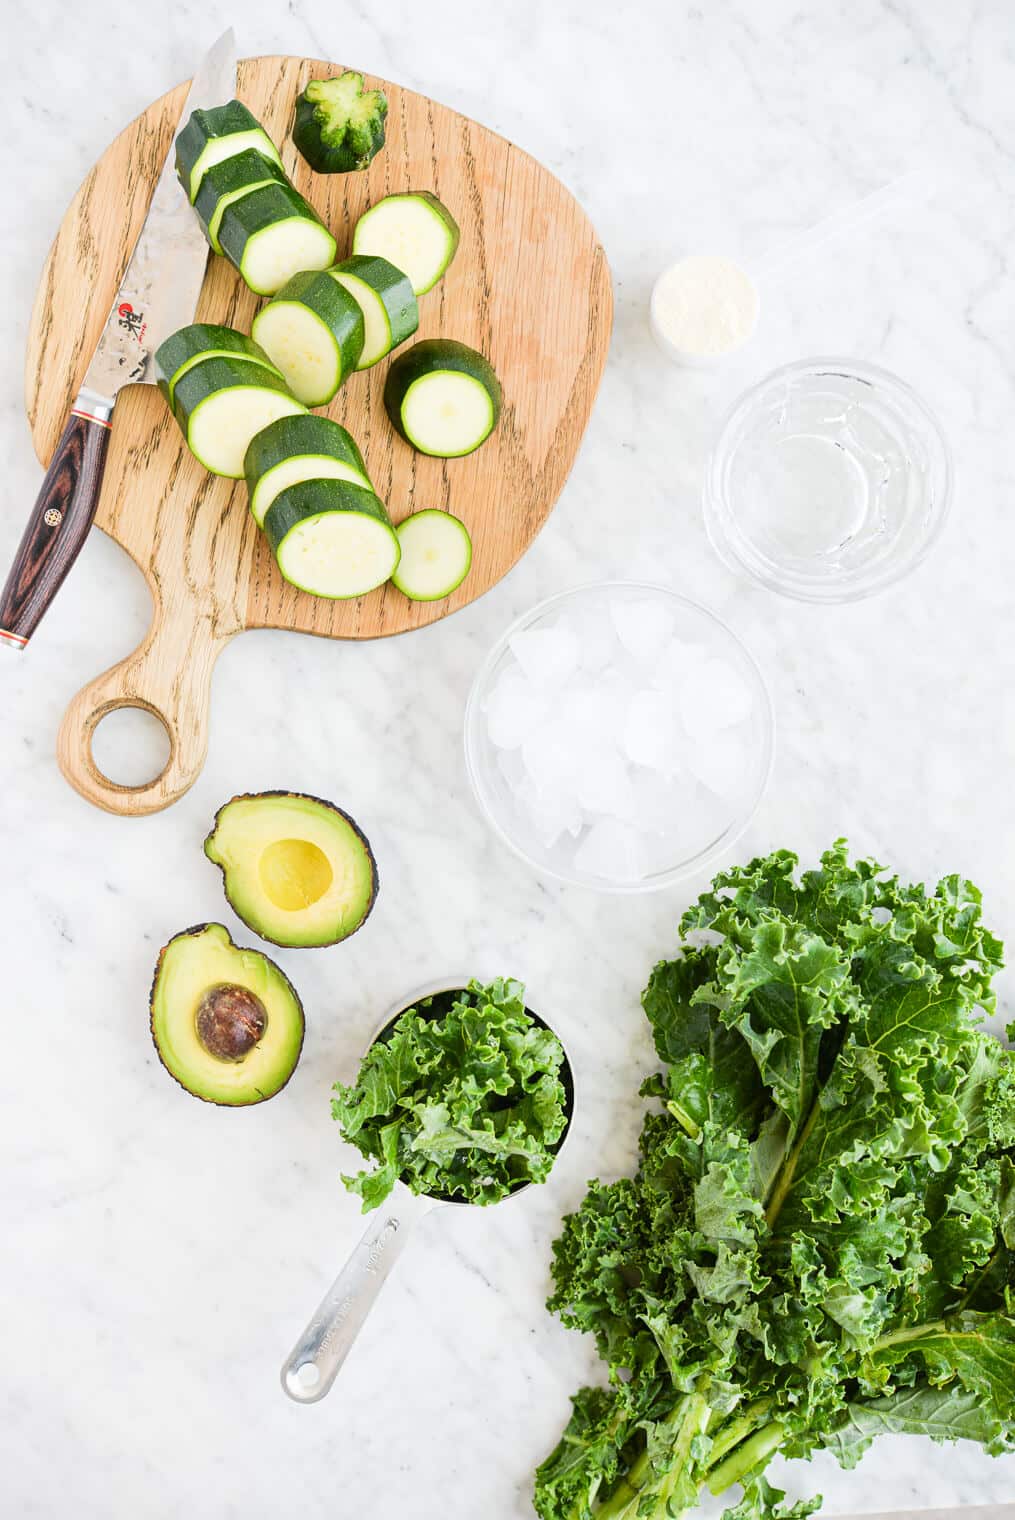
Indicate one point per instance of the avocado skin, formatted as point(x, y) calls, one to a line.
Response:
point(200, 929)
point(321, 802)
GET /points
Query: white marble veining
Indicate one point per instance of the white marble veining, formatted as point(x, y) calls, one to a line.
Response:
point(158, 1256)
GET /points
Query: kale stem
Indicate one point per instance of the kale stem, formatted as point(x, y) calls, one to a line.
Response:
point(738, 1430)
point(910, 1333)
point(748, 1455)
point(786, 1172)
point(629, 1488)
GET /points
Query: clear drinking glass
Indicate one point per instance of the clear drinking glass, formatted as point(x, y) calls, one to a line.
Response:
point(829, 480)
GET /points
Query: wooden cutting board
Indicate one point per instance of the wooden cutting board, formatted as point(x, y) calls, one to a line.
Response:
point(529, 286)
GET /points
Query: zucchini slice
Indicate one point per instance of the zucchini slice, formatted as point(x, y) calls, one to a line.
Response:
point(443, 397)
point(228, 181)
point(202, 340)
point(299, 448)
point(222, 403)
point(339, 126)
point(413, 231)
point(332, 538)
point(212, 136)
point(313, 332)
point(271, 234)
point(387, 300)
point(436, 555)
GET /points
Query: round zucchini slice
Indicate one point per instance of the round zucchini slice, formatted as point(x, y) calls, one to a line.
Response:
point(443, 397)
point(227, 1022)
point(295, 449)
point(313, 332)
point(202, 340)
point(297, 870)
point(332, 538)
point(386, 298)
point(414, 231)
point(222, 403)
point(212, 136)
point(436, 555)
point(229, 181)
point(272, 234)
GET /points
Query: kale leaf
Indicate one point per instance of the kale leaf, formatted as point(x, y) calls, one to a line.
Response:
point(462, 1096)
point(818, 1245)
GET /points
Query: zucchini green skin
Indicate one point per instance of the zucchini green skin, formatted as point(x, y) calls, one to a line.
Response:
point(332, 304)
point(311, 498)
point(392, 288)
point(228, 181)
point(203, 126)
point(243, 219)
point(200, 341)
point(436, 356)
point(294, 437)
point(342, 146)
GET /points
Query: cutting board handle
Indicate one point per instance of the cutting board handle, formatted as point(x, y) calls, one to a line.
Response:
point(155, 678)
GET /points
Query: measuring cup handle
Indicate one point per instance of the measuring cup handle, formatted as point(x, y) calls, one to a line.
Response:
point(317, 1357)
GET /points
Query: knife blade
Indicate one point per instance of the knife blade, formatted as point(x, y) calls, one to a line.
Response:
point(158, 293)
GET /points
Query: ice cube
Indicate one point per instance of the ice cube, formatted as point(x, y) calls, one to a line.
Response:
point(612, 850)
point(676, 657)
point(550, 814)
point(512, 767)
point(701, 821)
point(713, 696)
point(547, 655)
point(604, 784)
point(596, 636)
point(652, 736)
point(660, 804)
point(722, 762)
point(643, 626)
point(514, 708)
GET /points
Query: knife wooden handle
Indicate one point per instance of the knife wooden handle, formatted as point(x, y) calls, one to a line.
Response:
point(58, 526)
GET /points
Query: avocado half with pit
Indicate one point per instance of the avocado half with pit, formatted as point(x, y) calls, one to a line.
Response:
point(297, 870)
point(226, 1022)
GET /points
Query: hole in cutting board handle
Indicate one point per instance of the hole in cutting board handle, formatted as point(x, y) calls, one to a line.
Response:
point(130, 746)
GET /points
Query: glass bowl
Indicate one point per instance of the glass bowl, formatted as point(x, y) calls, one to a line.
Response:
point(829, 480)
point(669, 822)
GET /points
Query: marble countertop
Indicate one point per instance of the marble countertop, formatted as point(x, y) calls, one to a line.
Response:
point(158, 1256)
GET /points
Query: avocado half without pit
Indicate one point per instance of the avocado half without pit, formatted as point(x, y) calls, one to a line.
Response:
point(297, 870)
point(226, 1022)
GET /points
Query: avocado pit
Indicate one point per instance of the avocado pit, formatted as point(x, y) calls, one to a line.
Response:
point(230, 1020)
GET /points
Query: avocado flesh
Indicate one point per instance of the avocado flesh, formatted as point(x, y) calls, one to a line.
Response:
point(259, 1028)
point(296, 869)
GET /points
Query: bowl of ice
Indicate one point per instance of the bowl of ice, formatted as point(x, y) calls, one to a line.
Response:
point(619, 736)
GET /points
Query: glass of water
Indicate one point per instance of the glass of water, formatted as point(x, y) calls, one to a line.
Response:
point(829, 480)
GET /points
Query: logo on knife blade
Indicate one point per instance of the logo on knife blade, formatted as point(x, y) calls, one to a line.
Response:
point(132, 321)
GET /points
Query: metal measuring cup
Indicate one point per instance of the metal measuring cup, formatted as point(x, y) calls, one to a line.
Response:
point(315, 1361)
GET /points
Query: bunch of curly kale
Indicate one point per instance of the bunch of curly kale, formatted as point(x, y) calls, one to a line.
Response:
point(819, 1243)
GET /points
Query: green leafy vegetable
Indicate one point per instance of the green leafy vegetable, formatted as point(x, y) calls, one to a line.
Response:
point(819, 1243)
point(462, 1097)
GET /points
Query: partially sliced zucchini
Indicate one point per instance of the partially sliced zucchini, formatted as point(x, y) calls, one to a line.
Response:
point(212, 136)
point(202, 340)
point(271, 234)
point(332, 538)
point(222, 403)
point(443, 397)
point(228, 181)
point(299, 448)
point(436, 555)
point(313, 332)
point(387, 300)
point(339, 126)
point(414, 231)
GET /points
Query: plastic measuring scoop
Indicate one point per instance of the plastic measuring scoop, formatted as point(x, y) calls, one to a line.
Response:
point(703, 309)
point(316, 1360)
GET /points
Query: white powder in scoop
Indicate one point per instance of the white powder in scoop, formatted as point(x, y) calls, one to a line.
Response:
point(703, 307)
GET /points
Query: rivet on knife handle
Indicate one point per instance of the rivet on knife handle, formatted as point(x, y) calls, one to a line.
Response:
point(59, 525)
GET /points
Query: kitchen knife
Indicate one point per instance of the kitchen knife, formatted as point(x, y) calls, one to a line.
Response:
point(158, 294)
